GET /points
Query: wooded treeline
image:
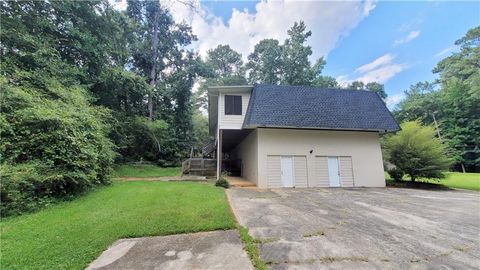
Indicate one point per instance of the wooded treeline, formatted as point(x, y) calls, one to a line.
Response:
point(451, 104)
point(84, 85)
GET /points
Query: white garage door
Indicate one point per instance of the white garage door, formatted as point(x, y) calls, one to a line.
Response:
point(286, 171)
point(333, 171)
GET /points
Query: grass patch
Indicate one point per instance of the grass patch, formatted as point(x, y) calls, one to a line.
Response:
point(470, 181)
point(265, 240)
point(70, 235)
point(145, 170)
point(252, 249)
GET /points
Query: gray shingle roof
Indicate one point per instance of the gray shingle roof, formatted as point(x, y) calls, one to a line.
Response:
point(310, 107)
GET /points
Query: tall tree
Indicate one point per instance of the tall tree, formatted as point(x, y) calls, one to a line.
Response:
point(223, 66)
point(465, 64)
point(265, 64)
point(289, 63)
point(297, 69)
point(225, 62)
point(155, 41)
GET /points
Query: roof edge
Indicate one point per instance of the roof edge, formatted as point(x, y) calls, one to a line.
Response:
point(229, 88)
point(382, 131)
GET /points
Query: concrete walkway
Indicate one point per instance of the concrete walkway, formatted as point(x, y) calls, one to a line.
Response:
point(205, 250)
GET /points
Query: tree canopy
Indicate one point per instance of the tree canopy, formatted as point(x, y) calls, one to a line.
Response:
point(451, 103)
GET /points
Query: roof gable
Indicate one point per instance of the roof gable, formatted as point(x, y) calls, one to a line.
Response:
point(317, 108)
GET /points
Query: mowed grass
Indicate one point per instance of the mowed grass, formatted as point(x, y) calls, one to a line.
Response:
point(469, 181)
point(145, 170)
point(72, 234)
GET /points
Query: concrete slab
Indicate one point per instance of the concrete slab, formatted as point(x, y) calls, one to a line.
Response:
point(362, 228)
point(205, 250)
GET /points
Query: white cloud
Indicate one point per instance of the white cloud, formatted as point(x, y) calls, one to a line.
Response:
point(382, 60)
point(392, 101)
point(328, 21)
point(411, 36)
point(379, 70)
point(444, 51)
point(382, 74)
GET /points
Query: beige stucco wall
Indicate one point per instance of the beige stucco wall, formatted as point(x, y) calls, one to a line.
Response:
point(247, 151)
point(232, 121)
point(363, 147)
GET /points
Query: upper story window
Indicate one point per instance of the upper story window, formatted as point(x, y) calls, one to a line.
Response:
point(233, 105)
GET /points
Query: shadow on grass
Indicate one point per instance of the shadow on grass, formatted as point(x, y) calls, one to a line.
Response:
point(416, 185)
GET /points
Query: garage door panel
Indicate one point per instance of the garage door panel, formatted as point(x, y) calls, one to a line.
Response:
point(321, 171)
point(346, 171)
point(300, 171)
point(274, 173)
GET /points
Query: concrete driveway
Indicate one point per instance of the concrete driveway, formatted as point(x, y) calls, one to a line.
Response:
point(364, 228)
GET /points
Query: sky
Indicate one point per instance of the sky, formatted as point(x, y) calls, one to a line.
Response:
point(396, 43)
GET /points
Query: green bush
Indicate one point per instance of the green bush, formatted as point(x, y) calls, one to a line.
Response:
point(396, 174)
point(416, 151)
point(222, 183)
point(54, 145)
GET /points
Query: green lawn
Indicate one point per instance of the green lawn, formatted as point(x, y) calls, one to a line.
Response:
point(70, 235)
point(460, 180)
point(145, 170)
point(469, 181)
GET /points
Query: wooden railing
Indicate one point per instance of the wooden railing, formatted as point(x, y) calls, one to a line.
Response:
point(200, 166)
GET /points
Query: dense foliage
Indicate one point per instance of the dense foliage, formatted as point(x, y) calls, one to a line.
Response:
point(54, 141)
point(77, 84)
point(452, 103)
point(416, 152)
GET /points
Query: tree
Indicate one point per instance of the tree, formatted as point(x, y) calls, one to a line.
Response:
point(155, 40)
point(416, 152)
point(356, 85)
point(326, 82)
point(420, 102)
point(451, 104)
point(297, 69)
point(223, 66)
point(377, 88)
point(266, 62)
point(464, 64)
point(289, 63)
point(371, 86)
point(225, 62)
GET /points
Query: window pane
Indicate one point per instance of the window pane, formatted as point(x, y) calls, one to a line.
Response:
point(237, 105)
point(233, 105)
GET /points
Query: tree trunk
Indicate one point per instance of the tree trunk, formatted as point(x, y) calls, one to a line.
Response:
point(153, 71)
point(436, 127)
point(463, 167)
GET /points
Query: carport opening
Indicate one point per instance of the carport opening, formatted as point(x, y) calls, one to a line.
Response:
point(231, 161)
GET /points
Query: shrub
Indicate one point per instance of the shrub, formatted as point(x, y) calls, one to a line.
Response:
point(396, 174)
point(415, 151)
point(222, 183)
point(54, 145)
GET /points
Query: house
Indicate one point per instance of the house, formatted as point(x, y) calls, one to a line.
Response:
point(297, 136)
